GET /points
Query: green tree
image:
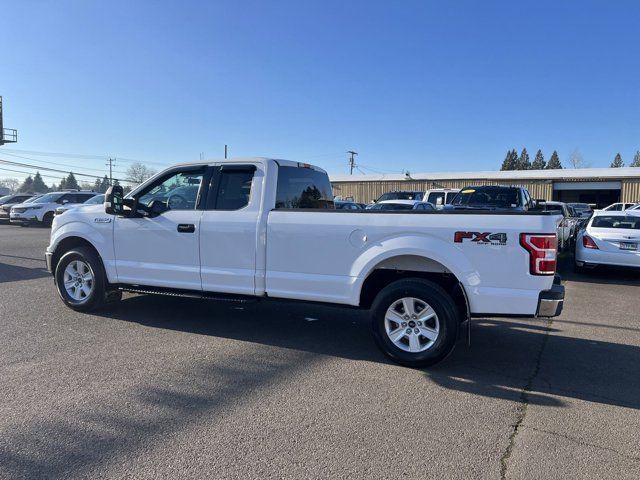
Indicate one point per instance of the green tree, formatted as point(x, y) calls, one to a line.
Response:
point(554, 162)
point(538, 162)
point(27, 185)
point(54, 187)
point(63, 184)
point(96, 186)
point(617, 162)
point(104, 184)
point(38, 184)
point(636, 160)
point(510, 161)
point(524, 163)
point(71, 182)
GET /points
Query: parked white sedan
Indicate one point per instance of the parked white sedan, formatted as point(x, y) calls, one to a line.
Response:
point(403, 205)
point(610, 238)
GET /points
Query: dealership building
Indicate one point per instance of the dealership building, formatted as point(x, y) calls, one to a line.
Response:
point(599, 186)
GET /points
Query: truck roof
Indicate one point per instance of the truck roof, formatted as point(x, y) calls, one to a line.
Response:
point(279, 161)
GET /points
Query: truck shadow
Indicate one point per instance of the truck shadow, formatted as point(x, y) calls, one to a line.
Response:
point(15, 273)
point(504, 357)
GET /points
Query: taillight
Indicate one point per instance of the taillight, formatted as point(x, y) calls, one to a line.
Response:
point(542, 248)
point(587, 242)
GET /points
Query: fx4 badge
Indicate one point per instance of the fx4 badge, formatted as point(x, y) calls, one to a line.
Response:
point(102, 220)
point(482, 238)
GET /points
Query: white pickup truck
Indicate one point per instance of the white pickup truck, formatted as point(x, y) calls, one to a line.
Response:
point(257, 227)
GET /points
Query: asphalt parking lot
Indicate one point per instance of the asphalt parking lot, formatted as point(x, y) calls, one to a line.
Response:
point(176, 388)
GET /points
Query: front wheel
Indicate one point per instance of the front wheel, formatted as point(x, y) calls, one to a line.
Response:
point(415, 322)
point(81, 280)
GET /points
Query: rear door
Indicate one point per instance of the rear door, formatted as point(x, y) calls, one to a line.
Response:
point(229, 234)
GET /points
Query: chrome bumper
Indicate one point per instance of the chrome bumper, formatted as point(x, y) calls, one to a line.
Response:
point(550, 302)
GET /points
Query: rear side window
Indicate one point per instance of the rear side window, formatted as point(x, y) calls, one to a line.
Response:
point(437, 198)
point(628, 222)
point(303, 188)
point(234, 188)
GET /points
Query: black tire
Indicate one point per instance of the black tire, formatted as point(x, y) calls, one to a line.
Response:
point(47, 220)
point(100, 293)
point(439, 300)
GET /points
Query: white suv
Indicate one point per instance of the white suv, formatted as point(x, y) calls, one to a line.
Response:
point(43, 209)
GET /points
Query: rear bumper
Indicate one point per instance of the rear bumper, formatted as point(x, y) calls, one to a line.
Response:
point(550, 302)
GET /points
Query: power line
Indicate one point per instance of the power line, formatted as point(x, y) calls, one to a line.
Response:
point(75, 167)
point(30, 173)
point(49, 169)
point(79, 155)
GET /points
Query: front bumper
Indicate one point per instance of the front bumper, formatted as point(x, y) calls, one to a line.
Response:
point(23, 218)
point(550, 302)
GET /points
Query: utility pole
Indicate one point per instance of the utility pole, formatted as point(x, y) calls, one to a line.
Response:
point(110, 163)
point(352, 162)
point(225, 151)
point(7, 135)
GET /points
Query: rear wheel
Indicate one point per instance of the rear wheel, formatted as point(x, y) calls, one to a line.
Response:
point(81, 281)
point(415, 322)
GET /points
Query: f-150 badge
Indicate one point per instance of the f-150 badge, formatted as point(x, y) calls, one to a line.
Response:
point(102, 220)
point(482, 238)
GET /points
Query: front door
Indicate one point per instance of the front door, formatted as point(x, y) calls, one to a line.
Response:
point(160, 247)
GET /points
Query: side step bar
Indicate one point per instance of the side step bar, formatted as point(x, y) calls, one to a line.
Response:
point(220, 297)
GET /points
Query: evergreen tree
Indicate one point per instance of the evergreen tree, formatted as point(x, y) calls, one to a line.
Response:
point(96, 186)
point(636, 160)
point(554, 162)
point(71, 183)
point(538, 163)
point(104, 184)
point(27, 185)
point(63, 184)
point(617, 162)
point(510, 161)
point(38, 184)
point(54, 187)
point(523, 162)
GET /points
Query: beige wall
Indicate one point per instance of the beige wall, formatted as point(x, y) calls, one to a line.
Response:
point(366, 191)
point(630, 190)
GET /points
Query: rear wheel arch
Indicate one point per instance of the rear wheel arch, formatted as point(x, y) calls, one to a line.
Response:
point(413, 267)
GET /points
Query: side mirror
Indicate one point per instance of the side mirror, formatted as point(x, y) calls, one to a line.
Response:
point(113, 200)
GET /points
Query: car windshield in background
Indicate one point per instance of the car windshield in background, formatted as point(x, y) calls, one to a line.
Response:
point(5, 198)
point(49, 198)
point(400, 196)
point(487, 196)
point(392, 206)
point(580, 206)
point(627, 222)
point(303, 188)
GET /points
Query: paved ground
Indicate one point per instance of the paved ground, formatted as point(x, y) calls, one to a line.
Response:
point(172, 388)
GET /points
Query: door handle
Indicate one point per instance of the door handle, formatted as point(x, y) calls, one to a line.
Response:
point(186, 228)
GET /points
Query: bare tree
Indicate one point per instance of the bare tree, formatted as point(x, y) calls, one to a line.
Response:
point(10, 183)
point(138, 172)
point(576, 160)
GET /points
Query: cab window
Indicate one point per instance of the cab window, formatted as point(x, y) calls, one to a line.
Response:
point(303, 188)
point(177, 190)
point(233, 188)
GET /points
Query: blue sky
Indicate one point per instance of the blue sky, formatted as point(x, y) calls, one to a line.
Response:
point(422, 86)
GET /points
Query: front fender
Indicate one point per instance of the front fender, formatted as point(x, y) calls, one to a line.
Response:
point(419, 245)
point(99, 236)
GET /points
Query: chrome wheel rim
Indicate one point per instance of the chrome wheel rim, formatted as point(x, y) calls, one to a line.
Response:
point(411, 325)
point(78, 281)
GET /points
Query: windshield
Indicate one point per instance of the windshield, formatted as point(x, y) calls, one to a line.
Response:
point(33, 199)
point(5, 198)
point(392, 206)
point(49, 198)
point(627, 222)
point(488, 196)
point(400, 196)
point(95, 200)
